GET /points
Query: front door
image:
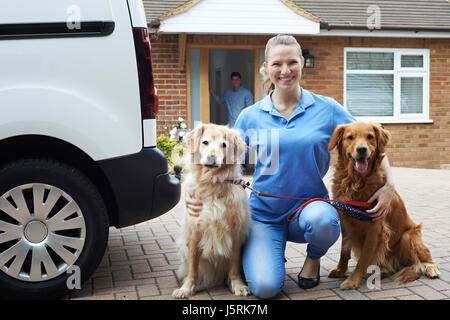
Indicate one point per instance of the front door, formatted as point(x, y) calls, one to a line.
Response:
point(211, 68)
point(222, 62)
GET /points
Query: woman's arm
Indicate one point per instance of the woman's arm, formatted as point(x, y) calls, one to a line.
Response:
point(384, 194)
point(195, 206)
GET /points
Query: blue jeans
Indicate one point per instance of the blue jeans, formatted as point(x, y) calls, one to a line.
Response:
point(263, 252)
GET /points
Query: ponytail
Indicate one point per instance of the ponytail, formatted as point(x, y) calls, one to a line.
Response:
point(267, 85)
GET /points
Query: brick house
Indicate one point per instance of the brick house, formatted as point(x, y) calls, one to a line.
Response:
point(385, 61)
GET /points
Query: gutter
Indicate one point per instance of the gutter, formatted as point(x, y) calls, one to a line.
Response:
point(328, 27)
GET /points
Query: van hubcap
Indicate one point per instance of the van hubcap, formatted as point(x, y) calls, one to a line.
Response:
point(35, 231)
point(42, 232)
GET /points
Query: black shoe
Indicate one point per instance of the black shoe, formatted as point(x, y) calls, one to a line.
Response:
point(308, 283)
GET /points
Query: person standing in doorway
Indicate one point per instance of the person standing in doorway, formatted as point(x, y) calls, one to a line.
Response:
point(237, 98)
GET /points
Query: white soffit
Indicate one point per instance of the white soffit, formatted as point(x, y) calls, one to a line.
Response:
point(239, 17)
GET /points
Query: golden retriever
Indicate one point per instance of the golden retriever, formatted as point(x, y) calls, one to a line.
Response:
point(210, 244)
point(394, 243)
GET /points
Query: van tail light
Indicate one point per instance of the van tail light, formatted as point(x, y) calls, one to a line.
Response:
point(148, 92)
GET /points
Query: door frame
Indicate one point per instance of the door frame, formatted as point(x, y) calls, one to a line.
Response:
point(204, 76)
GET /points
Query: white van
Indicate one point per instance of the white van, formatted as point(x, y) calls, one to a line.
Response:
point(77, 138)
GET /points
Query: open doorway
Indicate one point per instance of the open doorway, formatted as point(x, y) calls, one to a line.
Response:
point(222, 62)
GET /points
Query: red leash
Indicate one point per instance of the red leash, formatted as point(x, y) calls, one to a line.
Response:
point(344, 205)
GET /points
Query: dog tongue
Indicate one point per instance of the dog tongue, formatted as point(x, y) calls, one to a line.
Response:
point(361, 165)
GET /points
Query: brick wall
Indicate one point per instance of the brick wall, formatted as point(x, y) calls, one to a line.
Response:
point(170, 82)
point(412, 145)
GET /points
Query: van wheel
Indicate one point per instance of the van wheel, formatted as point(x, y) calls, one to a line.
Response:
point(51, 218)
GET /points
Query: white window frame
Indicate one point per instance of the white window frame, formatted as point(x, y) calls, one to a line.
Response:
point(398, 72)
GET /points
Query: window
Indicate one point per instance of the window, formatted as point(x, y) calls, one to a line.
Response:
point(387, 85)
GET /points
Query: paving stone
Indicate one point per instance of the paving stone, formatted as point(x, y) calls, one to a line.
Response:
point(115, 242)
point(119, 256)
point(388, 293)
point(436, 284)
point(428, 293)
point(135, 252)
point(202, 295)
point(97, 297)
point(350, 294)
point(158, 262)
point(410, 297)
point(122, 275)
point(126, 296)
point(153, 274)
point(101, 283)
point(310, 295)
point(336, 297)
point(167, 282)
point(147, 290)
point(115, 290)
point(135, 282)
point(149, 248)
point(140, 267)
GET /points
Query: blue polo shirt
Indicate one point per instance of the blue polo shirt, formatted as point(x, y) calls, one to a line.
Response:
point(292, 154)
point(236, 102)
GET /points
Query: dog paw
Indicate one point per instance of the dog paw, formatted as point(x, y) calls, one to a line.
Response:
point(240, 289)
point(432, 271)
point(243, 291)
point(182, 293)
point(349, 284)
point(336, 273)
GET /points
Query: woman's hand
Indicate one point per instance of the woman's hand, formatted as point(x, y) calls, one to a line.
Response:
point(384, 197)
point(193, 205)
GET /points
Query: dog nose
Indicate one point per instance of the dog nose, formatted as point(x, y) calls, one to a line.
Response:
point(362, 150)
point(211, 159)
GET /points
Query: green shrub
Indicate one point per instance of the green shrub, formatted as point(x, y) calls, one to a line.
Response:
point(169, 147)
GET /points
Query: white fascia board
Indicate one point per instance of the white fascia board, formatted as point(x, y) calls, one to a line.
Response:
point(383, 34)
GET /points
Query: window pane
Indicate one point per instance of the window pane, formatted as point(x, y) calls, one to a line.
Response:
point(411, 95)
point(370, 60)
point(370, 94)
point(412, 61)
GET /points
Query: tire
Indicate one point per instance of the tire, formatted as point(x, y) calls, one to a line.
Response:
point(78, 220)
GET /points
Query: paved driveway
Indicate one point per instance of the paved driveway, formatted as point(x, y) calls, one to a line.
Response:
point(140, 261)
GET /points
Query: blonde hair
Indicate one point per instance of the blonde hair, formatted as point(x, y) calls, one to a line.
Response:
point(281, 39)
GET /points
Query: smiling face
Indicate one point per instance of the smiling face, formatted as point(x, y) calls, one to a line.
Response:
point(360, 143)
point(284, 65)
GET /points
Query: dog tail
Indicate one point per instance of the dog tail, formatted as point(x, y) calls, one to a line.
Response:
point(408, 274)
point(416, 256)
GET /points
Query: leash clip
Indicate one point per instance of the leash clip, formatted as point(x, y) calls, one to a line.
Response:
point(246, 184)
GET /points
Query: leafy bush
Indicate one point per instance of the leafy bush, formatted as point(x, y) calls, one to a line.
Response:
point(170, 147)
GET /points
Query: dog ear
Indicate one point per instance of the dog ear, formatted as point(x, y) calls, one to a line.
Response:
point(240, 147)
point(192, 139)
point(383, 136)
point(336, 138)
